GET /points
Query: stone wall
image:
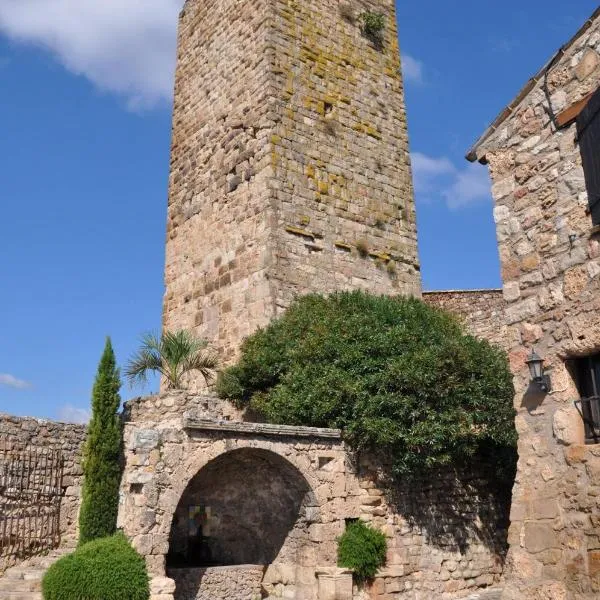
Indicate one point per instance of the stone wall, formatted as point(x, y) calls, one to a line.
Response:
point(289, 164)
point(240, 582)
point(446, 535)
point(69, 438)
point(482, 311)
point(550, 256)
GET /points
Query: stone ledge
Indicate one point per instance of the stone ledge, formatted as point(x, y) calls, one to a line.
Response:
point(199, 424)
point(218, 569)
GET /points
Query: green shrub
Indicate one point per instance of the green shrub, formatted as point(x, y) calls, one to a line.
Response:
point(105, 569)
point(398, 376)
point(102, 454)
point(362, 549)
point(373, 24)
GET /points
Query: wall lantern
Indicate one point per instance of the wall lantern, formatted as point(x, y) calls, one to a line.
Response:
point(536, 370)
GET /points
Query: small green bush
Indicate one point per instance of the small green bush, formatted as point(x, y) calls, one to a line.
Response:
point(373, 24)
point(362, 549)
point(104, 569)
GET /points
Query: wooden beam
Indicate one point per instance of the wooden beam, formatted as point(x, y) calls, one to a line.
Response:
point(568, 116)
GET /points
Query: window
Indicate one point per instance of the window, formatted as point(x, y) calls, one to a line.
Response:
point(588, 133)
point(587, 373)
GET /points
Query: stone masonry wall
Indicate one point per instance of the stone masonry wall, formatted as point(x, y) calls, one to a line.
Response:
point(340, 158)
point(241, 582)
point(482, 311)
point(289, 164)
point(446, 536)
point(69, 439)
point(220, 214)
point(550, 257)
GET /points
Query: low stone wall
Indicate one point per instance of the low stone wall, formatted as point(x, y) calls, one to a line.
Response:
point(447, 534)
point(240, 582)
point(482, 311)
point(174, 403)
point(69, 439)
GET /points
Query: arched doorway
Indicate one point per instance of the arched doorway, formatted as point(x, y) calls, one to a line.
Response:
point(246, 507)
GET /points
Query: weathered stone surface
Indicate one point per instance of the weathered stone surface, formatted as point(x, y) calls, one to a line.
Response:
point(482, 311)
point(241, 582)
point(283, 165)
point(68, 438)
point(548, 253)
point(282, 501)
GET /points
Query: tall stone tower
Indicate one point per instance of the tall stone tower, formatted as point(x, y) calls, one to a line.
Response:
point(290, 168)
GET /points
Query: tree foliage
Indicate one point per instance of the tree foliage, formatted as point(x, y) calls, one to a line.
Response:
point(104, 569)
point(173, 355)
point(102, 454)
point(398, 376)
point(362, 549)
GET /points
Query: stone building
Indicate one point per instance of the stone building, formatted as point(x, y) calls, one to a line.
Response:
point(290, 170)
point(543, 153)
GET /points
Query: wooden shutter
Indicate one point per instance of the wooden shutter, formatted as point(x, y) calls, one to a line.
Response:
point(588, 132)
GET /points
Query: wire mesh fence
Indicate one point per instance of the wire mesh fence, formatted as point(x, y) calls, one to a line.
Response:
point(30, 496)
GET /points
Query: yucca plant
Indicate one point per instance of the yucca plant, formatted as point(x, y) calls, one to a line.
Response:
point(173, 355)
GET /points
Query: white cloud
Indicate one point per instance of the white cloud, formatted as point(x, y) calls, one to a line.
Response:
point(412, 69)
point(426, 170)
point(126, 48)
point(439, 176)
point(71, 414)
point(11, 381)
point(471, 185)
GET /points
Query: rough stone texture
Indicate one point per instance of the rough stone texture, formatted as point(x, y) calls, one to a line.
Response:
point(290, 170)
point(69, 438)
point(280, 497)
point(240, 582)
point(482, 311)
point(550, 265)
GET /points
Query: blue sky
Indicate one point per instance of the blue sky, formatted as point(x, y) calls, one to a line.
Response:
point(84, 149)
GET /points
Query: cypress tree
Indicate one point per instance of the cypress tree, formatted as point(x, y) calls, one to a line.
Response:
point(102, 454)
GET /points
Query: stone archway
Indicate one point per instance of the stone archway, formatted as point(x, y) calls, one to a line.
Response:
point(243, 511)
point(247, 506)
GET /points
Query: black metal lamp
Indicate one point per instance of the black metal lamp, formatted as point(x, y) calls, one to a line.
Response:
point(536, 370)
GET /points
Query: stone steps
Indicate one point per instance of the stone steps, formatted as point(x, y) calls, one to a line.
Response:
point(24, 581)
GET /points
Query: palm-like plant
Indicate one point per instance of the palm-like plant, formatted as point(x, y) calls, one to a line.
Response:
point(173, 355)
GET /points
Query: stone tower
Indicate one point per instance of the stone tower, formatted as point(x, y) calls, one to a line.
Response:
point(290, 168)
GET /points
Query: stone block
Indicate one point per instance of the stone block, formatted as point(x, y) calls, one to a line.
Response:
point(162, 585)
point(539, 537)
point(145, 439)
point(587, 65)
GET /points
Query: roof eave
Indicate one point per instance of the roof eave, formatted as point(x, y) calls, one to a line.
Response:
point(474, 152)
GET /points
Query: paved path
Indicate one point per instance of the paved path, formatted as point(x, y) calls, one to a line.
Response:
point(24, 581)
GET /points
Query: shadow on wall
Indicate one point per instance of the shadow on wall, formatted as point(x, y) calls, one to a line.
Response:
point(456, 508)
point(241, 509)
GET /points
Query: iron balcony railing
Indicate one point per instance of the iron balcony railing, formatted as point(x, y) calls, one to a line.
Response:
point(589, 409)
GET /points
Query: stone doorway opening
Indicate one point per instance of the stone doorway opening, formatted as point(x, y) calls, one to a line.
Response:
point(241, 512)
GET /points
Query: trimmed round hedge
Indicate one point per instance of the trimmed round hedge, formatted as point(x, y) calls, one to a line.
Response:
point(104, 569)
point(397, 375)
point(363, 549)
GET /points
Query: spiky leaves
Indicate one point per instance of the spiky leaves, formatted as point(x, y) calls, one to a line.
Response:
point(102, 453)
point(173, 355)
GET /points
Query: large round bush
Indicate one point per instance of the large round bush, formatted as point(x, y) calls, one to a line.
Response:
point(105, 569)
point(395, 374)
